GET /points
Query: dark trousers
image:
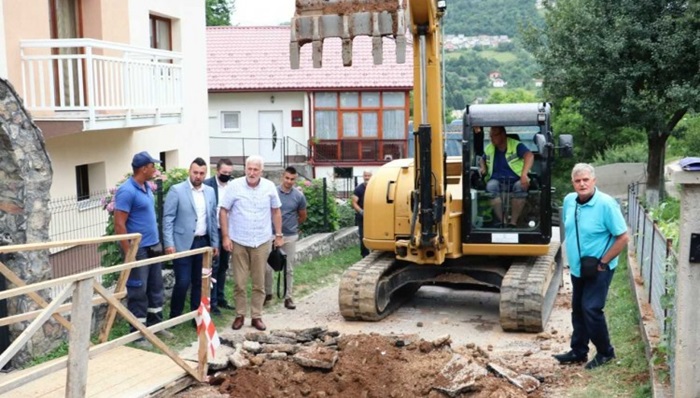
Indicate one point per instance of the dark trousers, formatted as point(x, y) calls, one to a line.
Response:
point(587, 316)
point(188, 271)
point(144, 290)
point(360, 221)
point(219, 272)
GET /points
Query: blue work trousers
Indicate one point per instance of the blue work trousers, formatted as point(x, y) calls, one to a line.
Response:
point(145, 291)
point(587, 316)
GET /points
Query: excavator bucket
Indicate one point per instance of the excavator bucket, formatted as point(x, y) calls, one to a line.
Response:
point(315, 20)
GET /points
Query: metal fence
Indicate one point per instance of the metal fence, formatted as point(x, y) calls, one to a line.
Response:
point(657, 261)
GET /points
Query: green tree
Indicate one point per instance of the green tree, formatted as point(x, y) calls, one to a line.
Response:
point(632, 63)
point(219, 12)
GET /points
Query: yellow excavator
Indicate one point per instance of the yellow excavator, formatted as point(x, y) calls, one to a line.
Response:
point(429, 219)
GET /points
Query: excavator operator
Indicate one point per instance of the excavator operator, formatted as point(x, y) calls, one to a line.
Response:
point(505, 164)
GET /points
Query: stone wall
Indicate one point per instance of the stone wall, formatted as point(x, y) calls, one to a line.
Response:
point(319, 245)
point(25, 181)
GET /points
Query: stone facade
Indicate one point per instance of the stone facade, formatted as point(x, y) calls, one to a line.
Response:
point(25, 181)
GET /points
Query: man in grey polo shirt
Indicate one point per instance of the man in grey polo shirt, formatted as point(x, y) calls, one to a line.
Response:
point(293, 214)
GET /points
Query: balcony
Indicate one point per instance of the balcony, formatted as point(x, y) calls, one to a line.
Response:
point(357, 151)
point(98, 85)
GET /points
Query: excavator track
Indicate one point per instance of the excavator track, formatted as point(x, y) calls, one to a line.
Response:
point(528, 291)
point(362, 295)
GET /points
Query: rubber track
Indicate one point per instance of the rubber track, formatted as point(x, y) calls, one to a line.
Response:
point(357, 294)
point(528, 292)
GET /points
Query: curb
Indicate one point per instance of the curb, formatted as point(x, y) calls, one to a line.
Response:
point(648, 326)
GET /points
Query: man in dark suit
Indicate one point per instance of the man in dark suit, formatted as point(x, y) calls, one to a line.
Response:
point(189, 222)
point(224, 168)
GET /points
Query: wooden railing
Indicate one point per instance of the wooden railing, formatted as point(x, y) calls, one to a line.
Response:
point(358, 150)
point(82, 287)
point(91, 76)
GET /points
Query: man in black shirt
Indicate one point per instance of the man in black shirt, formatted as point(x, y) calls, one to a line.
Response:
point(358, 203)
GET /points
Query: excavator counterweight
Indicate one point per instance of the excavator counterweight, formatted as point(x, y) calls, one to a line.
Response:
point(316, 20)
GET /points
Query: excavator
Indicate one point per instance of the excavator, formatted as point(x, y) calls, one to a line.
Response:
point(428, 220)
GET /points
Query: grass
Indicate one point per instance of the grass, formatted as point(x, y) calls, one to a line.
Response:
point(629, 376)
point(503, 57)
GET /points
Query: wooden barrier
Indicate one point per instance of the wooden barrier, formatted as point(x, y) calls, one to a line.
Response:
point(83, 286)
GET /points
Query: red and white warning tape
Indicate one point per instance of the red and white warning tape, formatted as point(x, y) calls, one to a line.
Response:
point(206, 324)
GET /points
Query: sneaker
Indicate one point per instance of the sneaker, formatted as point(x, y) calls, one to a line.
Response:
point(143, 344)
point(166, 334)
point(599, 360)
point(570, 357)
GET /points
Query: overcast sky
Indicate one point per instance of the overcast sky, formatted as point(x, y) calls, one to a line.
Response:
point(262, 12)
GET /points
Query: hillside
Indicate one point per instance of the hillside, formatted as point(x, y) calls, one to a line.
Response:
point(490, 17)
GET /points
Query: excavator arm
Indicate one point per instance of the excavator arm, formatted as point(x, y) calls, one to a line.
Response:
point(316, 20)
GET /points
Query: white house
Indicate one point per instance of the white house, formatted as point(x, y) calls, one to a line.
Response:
point(105, 79)
point(339, 119)
point(498, 83)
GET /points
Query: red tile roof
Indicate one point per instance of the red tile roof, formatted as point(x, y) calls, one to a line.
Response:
point(257, 59)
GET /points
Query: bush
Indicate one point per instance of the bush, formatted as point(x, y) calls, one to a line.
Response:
point(630, 153)
point(111, 253)
point(313, 190)
point(347, 214)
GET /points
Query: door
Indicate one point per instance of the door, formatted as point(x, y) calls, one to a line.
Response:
point(271, 136)
point(65, 24)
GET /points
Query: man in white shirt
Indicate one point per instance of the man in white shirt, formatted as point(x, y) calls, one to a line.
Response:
point(244, 215)
point(224, 168)
point(189, 222)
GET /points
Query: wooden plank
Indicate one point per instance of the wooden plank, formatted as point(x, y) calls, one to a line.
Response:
point(203, 351)
point(173, 388)
point(150, 336)
point(119, 289)
point(71, 242)
point(60, 310)
point(33, 327)
point(12, 277)
point(120, 372)
point(79, 340)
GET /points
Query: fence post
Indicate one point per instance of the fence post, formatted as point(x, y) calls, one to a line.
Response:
point(325, 206)
point(644, 231)
point(668, 255)
point(686, 364)
point(159, 206)
point(651, 259)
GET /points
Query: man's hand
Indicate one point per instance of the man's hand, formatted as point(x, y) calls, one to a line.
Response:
point(169, 250)
point(228, 245)
point(525, 182)
point(215, 252)
point(279, 241)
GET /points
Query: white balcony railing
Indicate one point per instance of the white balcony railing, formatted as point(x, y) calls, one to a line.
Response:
point(96, 79)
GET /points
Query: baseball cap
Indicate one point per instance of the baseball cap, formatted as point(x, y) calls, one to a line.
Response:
point(141, 159)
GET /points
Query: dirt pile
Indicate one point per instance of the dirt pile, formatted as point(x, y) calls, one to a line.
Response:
point(318, 363)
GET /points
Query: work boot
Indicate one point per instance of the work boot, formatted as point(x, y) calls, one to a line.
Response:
point(599, 360)
point(268, 298)
point(570, 357)
point(258, 324)
point(289, 304)
point(238, 322)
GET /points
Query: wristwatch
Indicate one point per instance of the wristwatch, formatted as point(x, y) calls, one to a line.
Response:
point(279, 235)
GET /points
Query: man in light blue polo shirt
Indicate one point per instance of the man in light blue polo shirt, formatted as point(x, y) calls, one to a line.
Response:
point(134, 212)
point(594, 223)
point(245, 213)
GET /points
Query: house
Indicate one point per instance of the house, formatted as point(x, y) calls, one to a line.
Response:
point(493, 75)
point(498, 83)
point(340, 120)
point(538, 82)
point(106, 79)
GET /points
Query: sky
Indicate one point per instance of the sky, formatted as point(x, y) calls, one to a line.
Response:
point(262, 12)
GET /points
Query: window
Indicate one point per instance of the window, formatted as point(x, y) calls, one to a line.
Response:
point(82, 182)
point(161, 33)
point(360, 115)
point(230, 122)
point(342, 172)
point(89, 178)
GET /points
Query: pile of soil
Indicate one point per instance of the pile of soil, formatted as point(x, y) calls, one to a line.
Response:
point(372, 365)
